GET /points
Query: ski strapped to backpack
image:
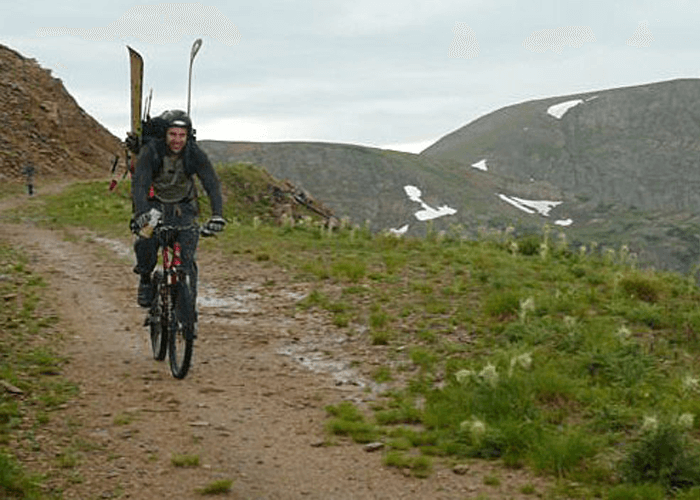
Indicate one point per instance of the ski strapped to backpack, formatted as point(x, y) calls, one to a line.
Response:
point(136, 85)
point(143, 127)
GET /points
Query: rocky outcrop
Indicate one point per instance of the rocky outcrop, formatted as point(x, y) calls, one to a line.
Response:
point(43, 126)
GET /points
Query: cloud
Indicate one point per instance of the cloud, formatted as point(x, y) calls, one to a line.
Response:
point(464, 44)
point(162, 23)
point(641, 37)
point(556, 39)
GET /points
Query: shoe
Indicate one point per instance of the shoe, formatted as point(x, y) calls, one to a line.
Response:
point(145, 294)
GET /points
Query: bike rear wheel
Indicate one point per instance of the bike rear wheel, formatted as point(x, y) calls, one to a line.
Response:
point(181, 334)
point(158, 318)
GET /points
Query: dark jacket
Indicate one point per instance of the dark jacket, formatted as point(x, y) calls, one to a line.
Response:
point(195, 162)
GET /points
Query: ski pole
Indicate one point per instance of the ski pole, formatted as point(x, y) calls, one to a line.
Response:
point(195, 48)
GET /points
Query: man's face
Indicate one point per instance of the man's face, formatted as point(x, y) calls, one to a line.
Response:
point(175, 139)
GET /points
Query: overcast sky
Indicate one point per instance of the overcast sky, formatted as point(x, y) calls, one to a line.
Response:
point(395, 74)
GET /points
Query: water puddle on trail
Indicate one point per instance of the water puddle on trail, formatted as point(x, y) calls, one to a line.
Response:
point(208, 297)
point(322, 356)
point(319, 354)
point(121, 249)
point(238, 302)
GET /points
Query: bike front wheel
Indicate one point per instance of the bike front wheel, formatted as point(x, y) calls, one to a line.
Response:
point(181, 333)
point(158, 318)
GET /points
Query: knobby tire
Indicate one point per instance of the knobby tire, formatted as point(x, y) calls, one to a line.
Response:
point(180, 338)
point(158, 319)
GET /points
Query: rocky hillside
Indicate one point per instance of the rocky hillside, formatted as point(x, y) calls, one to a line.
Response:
point(43, 126)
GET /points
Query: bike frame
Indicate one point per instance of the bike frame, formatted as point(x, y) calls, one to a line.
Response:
point(171, 266)
point(169, 333)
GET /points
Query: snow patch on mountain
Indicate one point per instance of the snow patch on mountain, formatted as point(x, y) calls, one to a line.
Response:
point(480, 165)
point(559, 110)
point(399, 231)
point(427, 212)
point(541, 207)
point(530, 206)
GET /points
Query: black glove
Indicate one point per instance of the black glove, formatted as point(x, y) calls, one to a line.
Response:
point(215, 225)
point(132, 142)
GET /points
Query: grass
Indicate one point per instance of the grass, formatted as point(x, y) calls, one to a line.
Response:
point(29, 364)
point(519, 350)
point(218, 487)
point(184, 460)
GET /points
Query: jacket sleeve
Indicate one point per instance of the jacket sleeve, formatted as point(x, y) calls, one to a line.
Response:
point(210, 182)
point(142, 179)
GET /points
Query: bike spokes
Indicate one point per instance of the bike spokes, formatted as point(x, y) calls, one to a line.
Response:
point(180, 341)
point(157, 318)
point(180, 349)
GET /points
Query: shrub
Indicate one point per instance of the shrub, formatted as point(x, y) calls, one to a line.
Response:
point(663, 455)
point(529, 245)
point(502, 304)
point(641, 288)
point(562, 453)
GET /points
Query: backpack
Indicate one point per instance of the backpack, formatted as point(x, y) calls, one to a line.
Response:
point(152, 129)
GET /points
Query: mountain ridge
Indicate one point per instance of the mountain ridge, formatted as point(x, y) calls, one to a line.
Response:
point(618, 165)
point(612, 146)
point(615, 166)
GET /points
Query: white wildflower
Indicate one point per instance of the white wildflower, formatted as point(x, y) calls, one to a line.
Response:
point(686, 420)
point(477, 428)
point(650, 424)
point(526, 307)
point(569, 322)
point(463, 376)
point(690, 383)
point(489, 374)
point(525, 361)
point(514, 247)
point(623, 333)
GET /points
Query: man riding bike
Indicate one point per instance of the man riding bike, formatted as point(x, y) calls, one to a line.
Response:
point(164, 180)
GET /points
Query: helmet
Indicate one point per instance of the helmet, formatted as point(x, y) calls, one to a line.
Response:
point(176, 118)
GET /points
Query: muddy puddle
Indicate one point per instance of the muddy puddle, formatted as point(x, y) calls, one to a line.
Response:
point(319, 354)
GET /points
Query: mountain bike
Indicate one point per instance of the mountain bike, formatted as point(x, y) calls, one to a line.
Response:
point(172, 316)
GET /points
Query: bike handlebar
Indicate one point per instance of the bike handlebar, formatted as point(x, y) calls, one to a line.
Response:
point(203, 231)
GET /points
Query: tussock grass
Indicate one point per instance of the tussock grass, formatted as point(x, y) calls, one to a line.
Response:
point(218, 487)
point(184, 460)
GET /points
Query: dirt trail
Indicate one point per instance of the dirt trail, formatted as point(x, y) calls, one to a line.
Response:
point(252, 407)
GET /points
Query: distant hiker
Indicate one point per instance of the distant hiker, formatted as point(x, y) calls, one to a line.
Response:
point(164, 180)
point(29, 171)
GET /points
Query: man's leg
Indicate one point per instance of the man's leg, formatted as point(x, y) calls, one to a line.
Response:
point(146, 250)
